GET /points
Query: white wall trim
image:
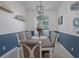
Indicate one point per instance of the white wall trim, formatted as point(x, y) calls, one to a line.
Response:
point(64, 51)
point(59, 49)
point(69, 33)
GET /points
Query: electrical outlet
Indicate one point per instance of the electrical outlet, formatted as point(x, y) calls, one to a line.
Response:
point(72, 49)
point(4, 47)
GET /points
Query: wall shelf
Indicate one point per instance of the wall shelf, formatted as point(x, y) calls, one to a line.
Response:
point(5, 9)
point(19, 17)
point(5, 6)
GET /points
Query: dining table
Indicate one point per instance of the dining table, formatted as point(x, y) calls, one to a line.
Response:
point(39, 38)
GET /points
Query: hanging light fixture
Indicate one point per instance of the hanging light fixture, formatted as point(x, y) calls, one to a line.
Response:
point(40, 12)
point(40, 17)
point(40, 9)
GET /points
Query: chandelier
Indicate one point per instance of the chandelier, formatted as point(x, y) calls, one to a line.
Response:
point(40, 18)
point(40, 9)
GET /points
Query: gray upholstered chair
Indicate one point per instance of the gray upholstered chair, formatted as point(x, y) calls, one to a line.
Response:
point(31, 49)
point(54, 38)
point(27, 48)
point(21, 37)
point(49, 45)
point(28, 34)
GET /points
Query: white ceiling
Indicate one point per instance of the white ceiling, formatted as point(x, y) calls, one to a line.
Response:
point(48, 5)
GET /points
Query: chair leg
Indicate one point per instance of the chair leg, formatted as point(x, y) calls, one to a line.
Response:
point(51, 53)
point(40, 52)
point(21, 52)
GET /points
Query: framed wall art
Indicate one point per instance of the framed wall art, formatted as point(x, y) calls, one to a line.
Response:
point(60, 20)
point(76, 22)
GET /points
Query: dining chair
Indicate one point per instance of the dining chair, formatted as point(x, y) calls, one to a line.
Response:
point(55, 37)
point(28, 35)
point(21, 37)
point(45, 45)
point(49, 45)
point(31, 49)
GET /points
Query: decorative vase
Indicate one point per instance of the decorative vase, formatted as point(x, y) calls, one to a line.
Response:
point(39, 31)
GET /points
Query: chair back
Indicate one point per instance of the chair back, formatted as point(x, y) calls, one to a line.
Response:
point(31, 49)
point(28, 34)
point(54, 38)
point(21, 37)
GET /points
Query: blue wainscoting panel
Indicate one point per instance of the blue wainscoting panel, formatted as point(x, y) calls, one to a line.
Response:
point(7, 42)
point(70, 42)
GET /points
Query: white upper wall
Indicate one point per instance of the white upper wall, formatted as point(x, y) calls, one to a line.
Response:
point(50, 10)
point(68, 15)
point(48, 5)
point(9, 25)
point(7, 22)
point(52, 19)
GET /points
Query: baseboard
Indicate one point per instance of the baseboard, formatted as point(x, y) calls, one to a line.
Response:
point(11, 54)
point(62, 52)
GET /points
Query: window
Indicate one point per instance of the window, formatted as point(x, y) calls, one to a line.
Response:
point(44, 22)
